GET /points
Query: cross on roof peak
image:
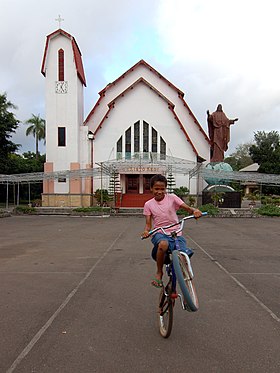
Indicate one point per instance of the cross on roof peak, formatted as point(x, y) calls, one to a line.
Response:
point(59, 20)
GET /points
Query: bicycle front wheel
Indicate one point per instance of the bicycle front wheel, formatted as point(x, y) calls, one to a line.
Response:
point(165, 313)
point(184, 279)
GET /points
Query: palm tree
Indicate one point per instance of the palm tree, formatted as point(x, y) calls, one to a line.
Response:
point(37, 129)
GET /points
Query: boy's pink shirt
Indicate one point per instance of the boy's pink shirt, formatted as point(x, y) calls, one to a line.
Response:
point(163, 212)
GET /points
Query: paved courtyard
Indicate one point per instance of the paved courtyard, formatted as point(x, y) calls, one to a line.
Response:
point(76, 297)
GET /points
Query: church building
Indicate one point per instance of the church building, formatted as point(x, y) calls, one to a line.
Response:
point(139, 126)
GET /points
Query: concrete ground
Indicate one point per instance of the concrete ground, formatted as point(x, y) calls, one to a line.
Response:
point(76, 297)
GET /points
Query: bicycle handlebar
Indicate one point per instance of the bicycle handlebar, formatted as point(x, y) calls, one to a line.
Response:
point(180, 222)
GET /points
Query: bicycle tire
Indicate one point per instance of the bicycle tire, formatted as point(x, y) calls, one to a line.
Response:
point(165, 313)
point(186, 284)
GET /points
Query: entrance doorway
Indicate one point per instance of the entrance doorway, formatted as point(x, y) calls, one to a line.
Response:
point(132, 184)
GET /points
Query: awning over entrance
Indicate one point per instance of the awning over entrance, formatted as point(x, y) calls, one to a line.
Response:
point(149, 163)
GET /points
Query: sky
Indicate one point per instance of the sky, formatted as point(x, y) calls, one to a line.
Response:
point(214, 51)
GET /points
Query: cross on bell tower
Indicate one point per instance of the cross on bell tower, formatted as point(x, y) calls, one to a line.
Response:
point(59, 20)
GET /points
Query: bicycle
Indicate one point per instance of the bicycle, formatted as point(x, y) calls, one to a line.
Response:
point(178, 269)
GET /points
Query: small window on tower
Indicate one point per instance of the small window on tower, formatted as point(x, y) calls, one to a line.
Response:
point(61, 136)
point(61, 65)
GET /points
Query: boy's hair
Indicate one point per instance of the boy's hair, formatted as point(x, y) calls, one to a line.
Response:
point(156, 178)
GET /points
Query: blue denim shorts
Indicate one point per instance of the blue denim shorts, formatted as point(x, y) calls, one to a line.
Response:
point(171, 243)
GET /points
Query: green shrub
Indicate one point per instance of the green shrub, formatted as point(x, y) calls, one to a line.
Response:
point(102, 194)
point(270, 200)
point(269, 210)
point(91, 209)
point(181, 192)
point(191, 200)
point(36, 203)
point(210, 209)
point(24, 210)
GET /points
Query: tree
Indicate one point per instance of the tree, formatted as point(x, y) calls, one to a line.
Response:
point(19, 164)
point(8, 125)
point(170, 182)
point(114, 186)
point(181, 192)
point(102, 196)
point(241, 157)
point(26, 163)
point(266, 151)
point(37, 129)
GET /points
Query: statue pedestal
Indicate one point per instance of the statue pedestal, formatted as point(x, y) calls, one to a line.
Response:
point(222, 196)
point(218, 192)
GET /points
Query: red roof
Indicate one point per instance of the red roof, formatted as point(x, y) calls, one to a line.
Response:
point(76, 52)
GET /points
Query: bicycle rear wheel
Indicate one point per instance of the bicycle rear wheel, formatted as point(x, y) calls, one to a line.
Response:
point(165, 312)
point(186, 283)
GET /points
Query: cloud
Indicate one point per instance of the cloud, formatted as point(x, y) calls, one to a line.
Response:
point(226, 53)
point(214, 51)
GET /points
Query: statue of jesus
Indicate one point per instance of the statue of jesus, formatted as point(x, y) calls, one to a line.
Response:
point(219, 133)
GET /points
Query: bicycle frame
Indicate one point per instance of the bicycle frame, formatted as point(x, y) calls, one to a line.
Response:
point(169, 267)
point(178, 266)
point(172, 275)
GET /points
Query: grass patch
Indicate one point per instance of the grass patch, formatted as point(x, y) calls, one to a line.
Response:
point(24, 210)
point(269, 210)
point(92, 209)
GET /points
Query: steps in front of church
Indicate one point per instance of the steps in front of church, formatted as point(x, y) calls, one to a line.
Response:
point(135, 200)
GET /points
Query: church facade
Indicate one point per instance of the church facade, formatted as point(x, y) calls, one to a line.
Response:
point(139, 126)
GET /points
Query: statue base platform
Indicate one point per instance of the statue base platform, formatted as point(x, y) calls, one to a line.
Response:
point(227, 196)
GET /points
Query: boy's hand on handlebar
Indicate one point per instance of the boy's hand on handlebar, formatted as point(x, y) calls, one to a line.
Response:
point(197, 213)
point(145, 234)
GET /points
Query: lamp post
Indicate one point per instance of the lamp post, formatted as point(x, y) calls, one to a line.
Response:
point(90, 137)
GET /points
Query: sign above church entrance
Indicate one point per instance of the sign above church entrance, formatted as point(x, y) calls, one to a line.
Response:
point(140, 169)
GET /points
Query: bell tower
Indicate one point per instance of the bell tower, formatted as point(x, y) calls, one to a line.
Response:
point(63, 70)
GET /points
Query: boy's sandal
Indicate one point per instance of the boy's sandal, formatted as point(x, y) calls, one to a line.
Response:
point(157, 283)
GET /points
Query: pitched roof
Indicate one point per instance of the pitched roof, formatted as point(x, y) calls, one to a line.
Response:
point(108, 86)
point(180, 93)
point(76, 52)
point(147, 84)
point(171, 106)
point(144, 63)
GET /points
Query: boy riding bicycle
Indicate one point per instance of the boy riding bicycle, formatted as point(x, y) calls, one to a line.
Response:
point(161, 211)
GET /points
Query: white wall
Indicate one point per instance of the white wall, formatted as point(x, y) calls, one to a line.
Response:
point(194, 131)
point(63, 109)
point(141, 103)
